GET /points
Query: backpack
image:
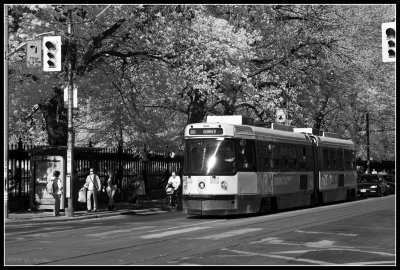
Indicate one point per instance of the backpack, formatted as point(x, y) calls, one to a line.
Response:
point(50, 187)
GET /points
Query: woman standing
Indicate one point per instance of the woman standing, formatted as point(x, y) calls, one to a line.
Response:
point(111, 189)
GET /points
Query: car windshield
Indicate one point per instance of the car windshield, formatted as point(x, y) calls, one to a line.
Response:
point(209, 157)
point(369, 179)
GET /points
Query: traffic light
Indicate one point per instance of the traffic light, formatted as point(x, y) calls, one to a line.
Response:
point(52, 53)
point(389, 42)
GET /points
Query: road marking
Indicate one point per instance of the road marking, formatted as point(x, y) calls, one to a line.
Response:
point(56, 231)
point(279, 257)
point(167, 233)
point(228, 234)
point(270, 240)
point(118, 231)
point(59, 229)
point(370, 263)
point(320, 244)
point(344, 234)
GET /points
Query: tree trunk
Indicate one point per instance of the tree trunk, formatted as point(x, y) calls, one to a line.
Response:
point(196, 108)
point(56, 119)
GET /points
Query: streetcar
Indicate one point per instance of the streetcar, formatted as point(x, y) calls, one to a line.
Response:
point(233, 167)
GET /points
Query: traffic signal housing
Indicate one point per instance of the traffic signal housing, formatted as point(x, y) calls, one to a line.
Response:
point(389, 42)
point(52, 53)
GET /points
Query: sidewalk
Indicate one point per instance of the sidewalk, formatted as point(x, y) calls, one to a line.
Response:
point(149, 207)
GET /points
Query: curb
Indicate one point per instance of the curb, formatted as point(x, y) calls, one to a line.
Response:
point(82, 215)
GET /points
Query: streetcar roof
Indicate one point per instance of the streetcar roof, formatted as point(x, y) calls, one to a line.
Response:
point(248, 132)
point(334, 142)
point(277, 133)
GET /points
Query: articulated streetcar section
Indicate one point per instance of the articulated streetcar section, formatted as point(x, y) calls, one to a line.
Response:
point(234, 167)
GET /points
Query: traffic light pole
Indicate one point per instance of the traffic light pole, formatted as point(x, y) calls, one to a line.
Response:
point(70, 144)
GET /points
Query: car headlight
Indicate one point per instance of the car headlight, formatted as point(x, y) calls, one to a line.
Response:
point(373, 186)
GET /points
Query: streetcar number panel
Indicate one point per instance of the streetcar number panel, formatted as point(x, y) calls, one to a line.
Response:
point(205, 131)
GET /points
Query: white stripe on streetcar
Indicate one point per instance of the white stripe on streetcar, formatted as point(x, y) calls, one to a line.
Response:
point(167, 233)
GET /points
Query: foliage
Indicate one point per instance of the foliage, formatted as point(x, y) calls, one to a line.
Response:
point(144, 71)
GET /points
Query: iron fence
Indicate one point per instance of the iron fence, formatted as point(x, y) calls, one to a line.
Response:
point(155, 167)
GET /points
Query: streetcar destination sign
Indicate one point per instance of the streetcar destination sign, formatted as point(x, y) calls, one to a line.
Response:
point(205, 131)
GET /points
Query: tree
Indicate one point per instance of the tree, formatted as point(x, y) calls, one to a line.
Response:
point(145, 71)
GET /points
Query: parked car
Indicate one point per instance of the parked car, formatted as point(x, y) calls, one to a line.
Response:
point(371, 184)
point(390, 180)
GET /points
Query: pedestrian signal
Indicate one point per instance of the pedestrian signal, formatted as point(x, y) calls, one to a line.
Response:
point(52, 53)
point(389, 42)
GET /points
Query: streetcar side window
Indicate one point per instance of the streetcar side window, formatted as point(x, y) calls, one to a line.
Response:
point(292, 157)
point(273, 155)
point(262, 155)
point(246, 150)
point(325, 158)
point(284, 156)
point(333, 158)
point(339, 156)
point(349, 159)
point(302, 158)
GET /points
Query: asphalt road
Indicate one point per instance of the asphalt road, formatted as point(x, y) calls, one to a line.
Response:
point(361, 232)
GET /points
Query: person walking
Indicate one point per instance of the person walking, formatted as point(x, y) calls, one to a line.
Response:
point(93, 185)
point(111, 189)
point(57, 192)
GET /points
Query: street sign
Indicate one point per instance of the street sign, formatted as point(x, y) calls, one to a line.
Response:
point(74, 97)
point(34, 53)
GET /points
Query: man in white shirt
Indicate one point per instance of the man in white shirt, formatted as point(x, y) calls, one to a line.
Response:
point(175, 181)
point(93, 185)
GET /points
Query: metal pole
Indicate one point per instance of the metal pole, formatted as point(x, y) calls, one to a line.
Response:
point(368, 161)
point(70, 143)
point(5, 112)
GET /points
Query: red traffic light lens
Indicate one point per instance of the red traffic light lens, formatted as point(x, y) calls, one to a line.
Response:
point(390, 33)
point(50, 45)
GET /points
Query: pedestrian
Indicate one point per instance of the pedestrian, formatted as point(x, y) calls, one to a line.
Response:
point(175, 181)
point(78, 184)
point(93, 185)
point(57, 192)
point(139, 190)
point(374, 171)
point(111, 189)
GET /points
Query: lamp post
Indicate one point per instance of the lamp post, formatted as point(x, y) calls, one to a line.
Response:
point(70, 143)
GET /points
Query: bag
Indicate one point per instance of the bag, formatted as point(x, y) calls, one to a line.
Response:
point(49, 187)
point(82, 195)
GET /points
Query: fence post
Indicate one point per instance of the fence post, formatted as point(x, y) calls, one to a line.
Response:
point(19, 170)
point(145, 169)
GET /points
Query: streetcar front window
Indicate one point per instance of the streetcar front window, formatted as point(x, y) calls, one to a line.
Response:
point(209, 157)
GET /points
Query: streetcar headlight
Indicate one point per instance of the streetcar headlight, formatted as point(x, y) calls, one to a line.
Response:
point(202, 185)
point(224, 185)
point(373, 186)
